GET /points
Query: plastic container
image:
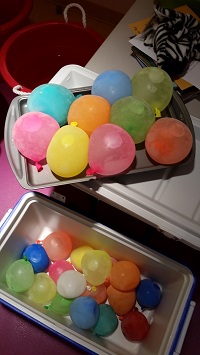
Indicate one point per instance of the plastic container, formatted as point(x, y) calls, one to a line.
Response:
point(35, 53)
point(13, 15)
point(35, 216)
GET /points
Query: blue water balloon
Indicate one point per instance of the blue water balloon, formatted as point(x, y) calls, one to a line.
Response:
point(84, 312)
point(37, 255)
point(112, 85)
point(148, 293)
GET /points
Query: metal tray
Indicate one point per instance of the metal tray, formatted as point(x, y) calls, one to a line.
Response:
point(27, 174)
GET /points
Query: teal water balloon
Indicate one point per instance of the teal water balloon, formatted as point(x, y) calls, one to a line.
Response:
point(52, 99)
point(112, 85)
point(133, 115)
point(153, 85)
point(107, 321)
point(60, 305)
point(43, 289)
point(20, 275)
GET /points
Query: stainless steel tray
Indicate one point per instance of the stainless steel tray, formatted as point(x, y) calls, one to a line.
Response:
point(28, 176)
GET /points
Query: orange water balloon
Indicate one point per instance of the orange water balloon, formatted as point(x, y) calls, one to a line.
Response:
point(58, 245)
point(121, 302)
point(124, 275)
point(89, 111)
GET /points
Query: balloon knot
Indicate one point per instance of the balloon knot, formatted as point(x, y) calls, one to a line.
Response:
point(157, 112)
point(38, 166)
point(94, 288)
point(74, 124)
point(90, 172)
point(121, 317)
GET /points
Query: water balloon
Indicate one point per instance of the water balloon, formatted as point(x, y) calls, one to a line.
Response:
point(60, 305)
point(121, 302)
point(99, 293)
point(77, 255)
point(71, 284)
point(84, 312)
point(134, 115)
point(20, 275)
point(135, 326)
point(154, 86)
point(52, 99)
point(37, 255)
point(67, 153)
point(58, 267)
point(107, 321)
point(111, 150)
point(89, 111)
point(168, 141)
point(124, 275)
point(58, 245)
point(43, 289)
point(96, 266)
point(112, 85)
point(32, 133)
point(148, 293)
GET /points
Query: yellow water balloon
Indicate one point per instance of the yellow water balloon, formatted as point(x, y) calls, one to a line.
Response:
point(67, 153)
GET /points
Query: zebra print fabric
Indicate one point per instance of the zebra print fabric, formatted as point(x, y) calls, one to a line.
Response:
point(175, 38)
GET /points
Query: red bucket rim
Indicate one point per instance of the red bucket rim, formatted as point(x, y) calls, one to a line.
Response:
point(6, 27)
point(8, 43)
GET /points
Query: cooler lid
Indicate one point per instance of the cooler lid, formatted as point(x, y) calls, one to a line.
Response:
point(167, 199)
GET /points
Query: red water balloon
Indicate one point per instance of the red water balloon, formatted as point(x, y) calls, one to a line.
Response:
point(168, 141)
point(135, 326)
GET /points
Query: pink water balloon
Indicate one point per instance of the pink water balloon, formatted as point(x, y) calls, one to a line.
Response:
point(58, 267)
point(32, 133)
point(111, 150)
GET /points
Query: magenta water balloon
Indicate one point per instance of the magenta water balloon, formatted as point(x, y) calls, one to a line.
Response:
point(112, 85)
point(32, 133)
point(58, 267)
point(111, 150)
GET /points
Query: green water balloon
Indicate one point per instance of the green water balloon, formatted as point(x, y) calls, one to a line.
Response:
point(20, 275)
point(153, 85)
point(134, 115)
point(60, 305)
